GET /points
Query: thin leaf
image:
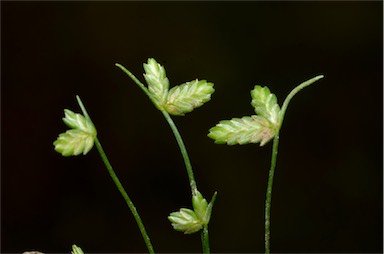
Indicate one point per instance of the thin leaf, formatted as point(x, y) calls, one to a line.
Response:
point(188, 96)
point(248, 129)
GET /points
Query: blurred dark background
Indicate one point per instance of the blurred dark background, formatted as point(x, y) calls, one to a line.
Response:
point(327, 194)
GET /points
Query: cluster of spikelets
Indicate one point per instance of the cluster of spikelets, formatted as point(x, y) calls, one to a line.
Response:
point(178, 100)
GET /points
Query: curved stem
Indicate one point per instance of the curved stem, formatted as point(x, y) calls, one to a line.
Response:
point(269, 194)
point(183, 151)
point(119, 185)
point(293, 93)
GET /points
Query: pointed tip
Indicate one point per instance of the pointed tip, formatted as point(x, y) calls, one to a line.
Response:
point(213, 199)
point(320, 76)
point(317, 77)
point(78, 99)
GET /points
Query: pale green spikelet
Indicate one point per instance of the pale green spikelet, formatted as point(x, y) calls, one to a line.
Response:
point(158, 83)
point(78, 121)
point(188, 96)
point(245, 130)
point(261, 127)
point(265, 104)
point(185, 221)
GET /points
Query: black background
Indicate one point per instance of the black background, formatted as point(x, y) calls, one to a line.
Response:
point(327, 194)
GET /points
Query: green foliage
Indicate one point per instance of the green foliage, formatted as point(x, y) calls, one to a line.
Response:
point(79, 139)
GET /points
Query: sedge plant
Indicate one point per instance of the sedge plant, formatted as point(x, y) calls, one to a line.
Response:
point(260, 128)
point(177, 101)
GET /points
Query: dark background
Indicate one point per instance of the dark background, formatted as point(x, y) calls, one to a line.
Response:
point(327, 194)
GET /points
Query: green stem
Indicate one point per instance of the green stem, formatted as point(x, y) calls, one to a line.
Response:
point(269, 194)
point(119, 185)
point(183, 151)
point(141, 85)
point(125, 196)
point(275, 149)
point(192, 182)
point(175, 131)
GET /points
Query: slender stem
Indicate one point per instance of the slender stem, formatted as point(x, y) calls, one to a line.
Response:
point(141, 85)
point(188, 166)
point(119, 185)
point(175, 131)
point(269, 194)
point(183, 151)
point(125, 196)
